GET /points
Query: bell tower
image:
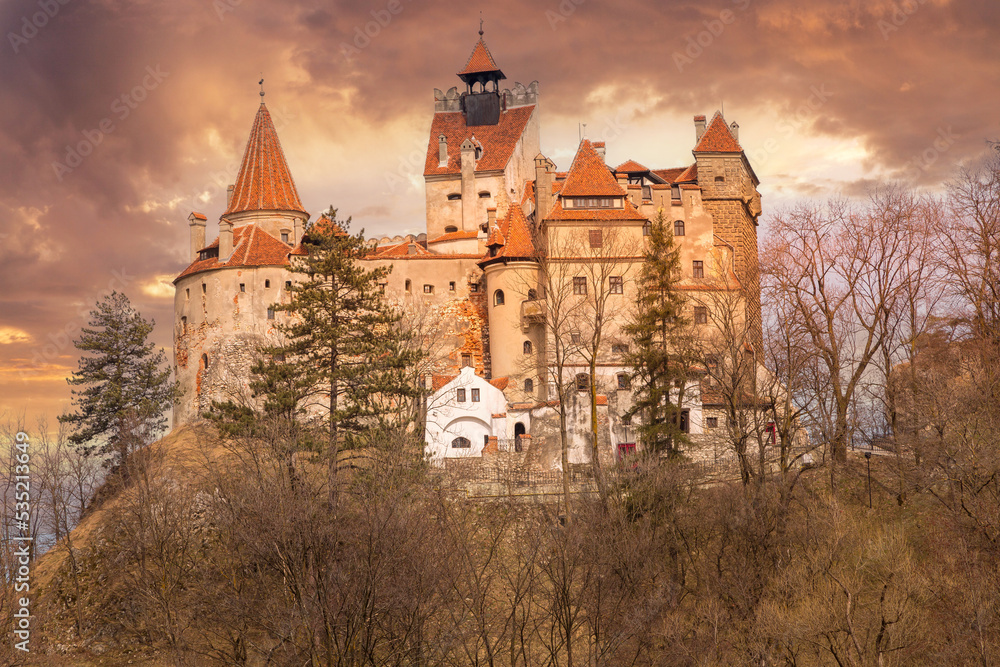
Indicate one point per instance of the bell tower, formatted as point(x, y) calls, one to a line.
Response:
point(481, 102)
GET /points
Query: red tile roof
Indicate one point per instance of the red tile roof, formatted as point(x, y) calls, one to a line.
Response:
point(689, 174)
point(402, 250)
point(455, 236)
point(631, 167)
point(514, 235)
point(197, 215)
point(669, 175)
point(264, 181)
point(498, 141)
point(718, 138)
point(480, 60)
point(438, 381)
point(252, 246)
point(500, 383)
point(589, 176)
point(496, 237)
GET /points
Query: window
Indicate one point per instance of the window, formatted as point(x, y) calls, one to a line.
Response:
point(243, 287)
point(575, 337)
point(460, 395)
point(498, 298)
point(461, 443)
point(450, 229)
point(579, 285)
point(407, 286)
point(184, 324)
point(484, 195)
point(616, 285)
point(451, 286)
point(454, 196)
point(647, 228)
point(466, 360)
point(527, 347)
point(284, 237)
point(204, 288)
point(591, 202)
point(698, 269)
point(582, 381)
point(623, 381)
point(678, 228)
point(624, 449)
point(486, 440)
point(428, 289)
point(532, 295)
point(596, 238)
point(288, 284)
point(619, 348)
point(270, 313)
point(204, 362)
point(720, 179)
point(187, 294)
point(712, 422)
point(473, 287)
point(529, 385)
point(647, 192)
point(267, 283)
point(475, 395)
point(700, 315)
point(685, 421)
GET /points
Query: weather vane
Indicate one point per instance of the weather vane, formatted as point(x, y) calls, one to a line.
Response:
point(480, 23)
point(261, 82)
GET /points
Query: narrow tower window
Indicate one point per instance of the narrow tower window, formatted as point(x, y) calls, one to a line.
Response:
point(498, 298)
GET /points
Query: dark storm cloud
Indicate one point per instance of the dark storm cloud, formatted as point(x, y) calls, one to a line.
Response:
point(913, 82)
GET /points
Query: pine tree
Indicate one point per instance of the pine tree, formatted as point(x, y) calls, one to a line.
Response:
point(659, 324)
point(343, 332)
point(127, 388)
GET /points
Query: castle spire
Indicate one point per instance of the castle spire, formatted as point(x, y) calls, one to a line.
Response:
point(264, 182)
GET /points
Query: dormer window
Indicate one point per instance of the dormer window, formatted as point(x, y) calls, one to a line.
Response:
point(594, 202)
point(208, 253)
point(479, 152)
point(454, 196)
point(285, 236)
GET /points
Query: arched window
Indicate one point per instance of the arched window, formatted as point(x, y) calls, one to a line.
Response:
point(647, 228)
point(532, 295)
point(454, 196)
point(498, 298)
point(518, 432)
point(529, 385)
point(204, 362)
point(582, 381)
point(450, 229)
point(461, 443)
point(678, 228)
point(527, 347)
point(407, 287)
point(484, 195)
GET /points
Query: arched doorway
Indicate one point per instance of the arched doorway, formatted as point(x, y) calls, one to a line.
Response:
point(518, 432)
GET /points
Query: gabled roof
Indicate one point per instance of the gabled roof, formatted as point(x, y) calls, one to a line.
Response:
point(496, 237)
point(480, 60)
point(403, 249)
point(688, 175)
point(718, 138)
point(589, 176)
point(669, 175)
point(498, 141)
point(264, 182)
point(631, 167)
point(252, 246)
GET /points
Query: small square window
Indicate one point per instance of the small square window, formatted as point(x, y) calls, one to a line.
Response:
point(596, 238)
point(579, 285)
point(623, 381)
point(466, 360)
point(700, 315)
point(428, 289)
point(712, 422)
point(616, 285)
point(582, 382)
point(698, 269)
point(473, 287)
point(475, 395)
point(575, 337)
point(270, 313)
point(460, 395)
point(284, 237)
point(288, 284)
point(243, 287)
point(451, 286)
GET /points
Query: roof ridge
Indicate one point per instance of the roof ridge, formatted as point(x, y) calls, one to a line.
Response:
point(589, 175)
point(718, 138)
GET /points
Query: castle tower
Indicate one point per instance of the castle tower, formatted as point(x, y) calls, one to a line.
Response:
point(482, 142)
point(223, 300)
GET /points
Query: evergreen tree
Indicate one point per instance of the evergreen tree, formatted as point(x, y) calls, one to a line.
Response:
point(343, 333)
point(658, 326)
point(127, 388)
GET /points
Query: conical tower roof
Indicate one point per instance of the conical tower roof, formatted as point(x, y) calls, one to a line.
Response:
point(264, 182)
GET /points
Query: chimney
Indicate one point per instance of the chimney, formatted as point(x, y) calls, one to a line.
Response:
point(229, 195)
point(225, 240)
point(699, 128)
point(491, 219)
point(296, 231)
point(468, 186)
point(735, 129)
point(442, 151)
point(543, 188)
point(599, 147)
point(197, 222)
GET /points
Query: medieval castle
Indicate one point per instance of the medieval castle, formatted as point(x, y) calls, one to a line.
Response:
point(513, 251)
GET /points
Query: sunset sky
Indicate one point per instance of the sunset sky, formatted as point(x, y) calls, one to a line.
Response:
point(120, 117)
